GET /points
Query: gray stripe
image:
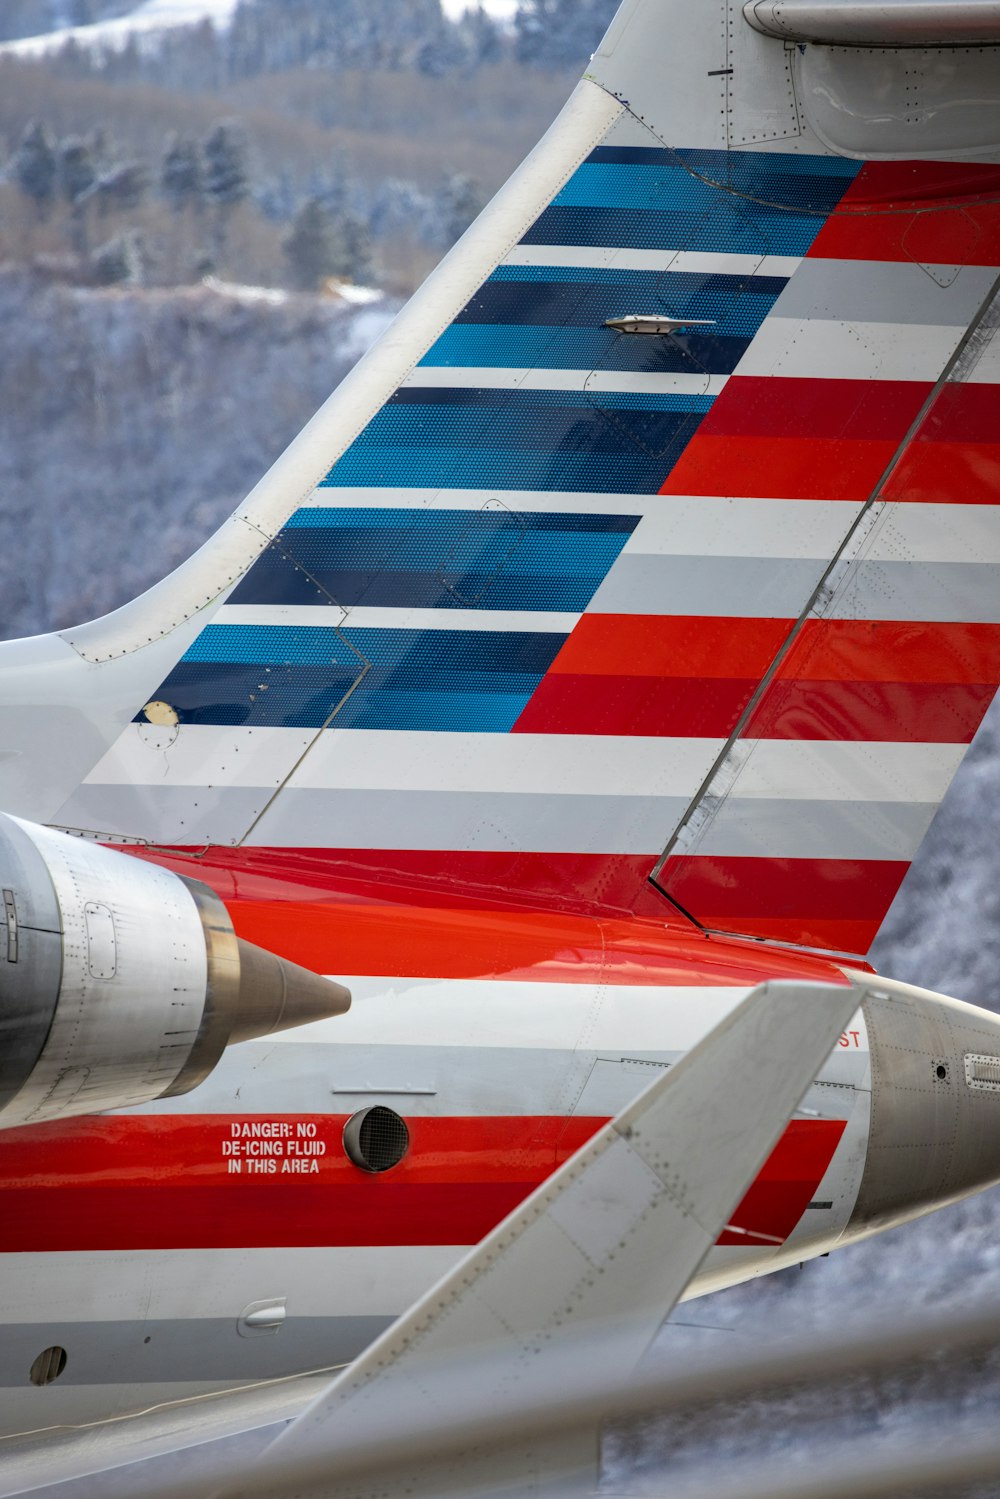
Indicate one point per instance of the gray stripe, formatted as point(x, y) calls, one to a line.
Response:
point(166, 814)
point(883, 292)
point(313, 818)
point(785, 829)
point(750, 587)
point(967, 592)
point(182, 1349)
point(780, 587)
point(508, 820)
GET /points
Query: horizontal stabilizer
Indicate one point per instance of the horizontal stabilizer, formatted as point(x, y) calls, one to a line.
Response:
point(590, 1264)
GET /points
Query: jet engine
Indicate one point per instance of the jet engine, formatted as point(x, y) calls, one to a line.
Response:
point(121, 982)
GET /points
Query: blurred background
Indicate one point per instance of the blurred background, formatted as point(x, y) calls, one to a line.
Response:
point(208, 210)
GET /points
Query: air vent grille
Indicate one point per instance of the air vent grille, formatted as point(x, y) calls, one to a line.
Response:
point(376, 1139)
point(982, 1072)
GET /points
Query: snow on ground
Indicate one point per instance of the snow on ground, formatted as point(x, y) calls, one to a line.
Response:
point(148, 20)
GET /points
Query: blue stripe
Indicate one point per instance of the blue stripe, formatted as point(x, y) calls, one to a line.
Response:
point(475, 345)
point(576, 473)
point(703, 186)
point(421, 651)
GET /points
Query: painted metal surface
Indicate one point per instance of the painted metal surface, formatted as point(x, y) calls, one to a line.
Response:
point(892, 23)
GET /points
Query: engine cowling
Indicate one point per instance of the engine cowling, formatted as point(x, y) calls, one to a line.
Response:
point(122, 982)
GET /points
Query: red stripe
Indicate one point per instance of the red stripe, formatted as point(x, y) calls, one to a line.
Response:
point(780, 468)
point(962, 412)
point(670, 645)
point(672, 707)
point(896, 712)
point(929, 212)
point(162, 1182)
point(941, 473)
point(787, 1184)
point(325, 928)
point(880, 651)
point(828, 903)
point(762, 406)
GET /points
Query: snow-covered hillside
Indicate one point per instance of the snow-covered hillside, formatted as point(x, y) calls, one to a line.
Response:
point(151, 18)
point(148, 20)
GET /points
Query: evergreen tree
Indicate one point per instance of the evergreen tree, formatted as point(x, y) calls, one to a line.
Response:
point(226, 176)
point(77, 174)
point(226, 179)
point(313, 246)
point(124, 186)
point(34, 166)
point(181, 176)
point(119, 261)
point(461, 202)
point(560, 33)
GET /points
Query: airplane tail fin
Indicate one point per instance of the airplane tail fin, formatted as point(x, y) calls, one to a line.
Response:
point(650, 559)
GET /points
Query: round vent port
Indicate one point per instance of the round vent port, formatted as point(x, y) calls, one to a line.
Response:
point(48, 1365)
point(376, 1139)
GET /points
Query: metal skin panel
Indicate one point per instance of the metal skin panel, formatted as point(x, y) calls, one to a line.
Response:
point(105, 1047)
point(937, 111)
point(898, 23)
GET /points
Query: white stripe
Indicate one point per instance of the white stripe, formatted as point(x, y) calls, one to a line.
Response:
point(833, 770)
point(986, 370)
point(544, 501)
point(397, 619)
point(704, 262)
point(934, 533)
point(709, 526)
point(551, 765)
point(329, 616)
point(478, 1012)
point(841, 350)
point(411, 760)
point(593, 382)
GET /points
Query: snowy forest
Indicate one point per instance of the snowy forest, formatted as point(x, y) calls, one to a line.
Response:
point(198, 237)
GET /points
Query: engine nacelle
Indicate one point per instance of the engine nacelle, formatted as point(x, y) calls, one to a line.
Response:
point(121, 982)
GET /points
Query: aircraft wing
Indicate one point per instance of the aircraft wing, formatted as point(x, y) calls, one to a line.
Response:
point(570, 1290)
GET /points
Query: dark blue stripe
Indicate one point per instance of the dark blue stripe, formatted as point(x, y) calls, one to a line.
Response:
point(305, 697)
point(736, 311)
point(486, 346)
point(509, 429)
point(487, 559)
point(734, 225)
point(462, 587)
point(678, 282)
point(452, 523)
point(716, 164)
point(504, 403)
point(476, 681)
